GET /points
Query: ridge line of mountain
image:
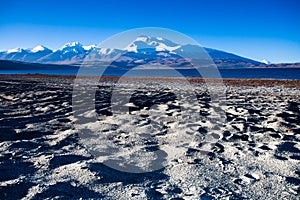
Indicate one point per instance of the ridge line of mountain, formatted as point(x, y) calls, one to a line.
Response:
point(142, 50)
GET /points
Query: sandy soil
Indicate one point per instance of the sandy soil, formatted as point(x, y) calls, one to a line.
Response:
point(256, 154)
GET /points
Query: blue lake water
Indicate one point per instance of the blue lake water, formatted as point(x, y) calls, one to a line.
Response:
point(264, 73)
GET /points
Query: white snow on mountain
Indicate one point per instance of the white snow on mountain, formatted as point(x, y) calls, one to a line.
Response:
point(155, 43)
point(266, 62)
point(142, 38)
point(140, 48)
point(71, 44)
point(131, 48)
point(38, 48)
point(163, 47)
point(87, 48)
point(71, 47)
point(105, 51)
point(15, 50)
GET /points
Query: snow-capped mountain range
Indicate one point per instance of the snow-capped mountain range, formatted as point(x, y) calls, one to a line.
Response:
point(142, 49)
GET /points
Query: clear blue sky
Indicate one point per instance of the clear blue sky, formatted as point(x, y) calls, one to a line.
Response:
point(257, 29)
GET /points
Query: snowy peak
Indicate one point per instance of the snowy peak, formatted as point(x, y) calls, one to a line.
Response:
point(15, 50)
point(72, 47)
point(266, 62)
point(39, 48)
point(155, 40)
point(155, 43)
point(90, 47)
point(72, 44)
point(143, 38)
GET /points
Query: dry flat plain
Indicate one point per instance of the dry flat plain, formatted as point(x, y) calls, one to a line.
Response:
point(255, 154)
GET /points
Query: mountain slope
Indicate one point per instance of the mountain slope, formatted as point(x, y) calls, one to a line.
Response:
point(143, 49)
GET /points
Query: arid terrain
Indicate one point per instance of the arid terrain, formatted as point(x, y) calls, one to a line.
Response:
point(255, 154)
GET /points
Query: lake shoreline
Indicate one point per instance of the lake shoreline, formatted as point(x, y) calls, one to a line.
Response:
point(226, 81)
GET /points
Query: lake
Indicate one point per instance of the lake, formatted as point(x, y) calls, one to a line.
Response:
point(263, 73)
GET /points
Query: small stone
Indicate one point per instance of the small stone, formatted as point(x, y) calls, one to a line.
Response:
point(293, 191)
point(192, 188)
point(73, 184)
point(255, 176)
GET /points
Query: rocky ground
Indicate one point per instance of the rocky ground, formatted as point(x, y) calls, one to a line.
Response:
point(255, 154)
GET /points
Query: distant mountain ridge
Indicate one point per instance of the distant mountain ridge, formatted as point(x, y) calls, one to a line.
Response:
point(144, 49)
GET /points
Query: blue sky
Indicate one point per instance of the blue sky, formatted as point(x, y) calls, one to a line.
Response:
point(257, 29)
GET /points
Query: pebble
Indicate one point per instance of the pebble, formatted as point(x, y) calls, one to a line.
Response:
point(192, 188)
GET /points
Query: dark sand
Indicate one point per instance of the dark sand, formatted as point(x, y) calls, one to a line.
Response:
point(228, 81)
